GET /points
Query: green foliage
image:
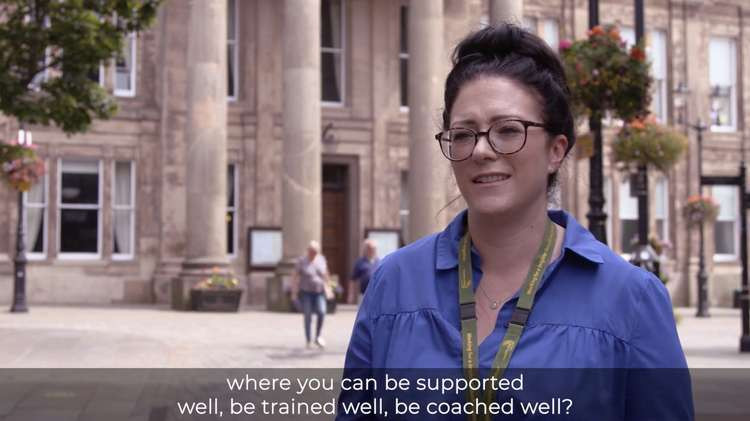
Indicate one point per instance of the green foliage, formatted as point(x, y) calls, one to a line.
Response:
point(700, 209)
point(75, 36)
point(648, 143)
point(20, 166)
point(604, 77)
point(217, 280)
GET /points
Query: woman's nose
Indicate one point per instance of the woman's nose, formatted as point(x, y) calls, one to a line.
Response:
point(483, 150)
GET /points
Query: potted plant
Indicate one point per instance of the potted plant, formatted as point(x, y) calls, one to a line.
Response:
point(604, 76)
point(643, 141)
point(700, 209)
point(218, 292)
point(20, 166)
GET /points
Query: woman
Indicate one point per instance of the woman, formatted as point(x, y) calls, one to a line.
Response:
point(509, 283)
point(310, 276)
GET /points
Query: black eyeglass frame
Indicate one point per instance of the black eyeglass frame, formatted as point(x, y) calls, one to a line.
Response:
point(526, 124)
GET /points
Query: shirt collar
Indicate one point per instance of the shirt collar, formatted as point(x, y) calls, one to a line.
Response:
point(577, 239)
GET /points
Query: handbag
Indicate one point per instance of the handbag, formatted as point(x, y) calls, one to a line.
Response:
point(328, 290)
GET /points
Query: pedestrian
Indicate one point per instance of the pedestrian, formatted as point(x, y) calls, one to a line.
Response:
point(508, 271)
point(309, 280)
point(364, 266)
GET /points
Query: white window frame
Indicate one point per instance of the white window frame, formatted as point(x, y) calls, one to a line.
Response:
point(131, 208)
point(530, 23)
point(664, 77)
point(726, 257)
point(128, 93)
point(342, 53)
point(233, 41)
point(403, 56)
point(664, 235)
point(733, 87)
point(60, 206)
point(623, 192)
point(45, 221)
point(404, 200)
point(233, 211)
point(546, 34)
point(607, 188)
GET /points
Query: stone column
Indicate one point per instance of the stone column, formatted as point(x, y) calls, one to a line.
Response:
point(506, 11)
point(206, 160)
point(427, 166)
point(301, 180)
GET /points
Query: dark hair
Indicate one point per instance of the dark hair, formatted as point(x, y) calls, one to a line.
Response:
point(510, 51)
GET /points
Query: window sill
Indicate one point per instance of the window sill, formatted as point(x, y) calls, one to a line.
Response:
point(723, 129)
point(725, 258)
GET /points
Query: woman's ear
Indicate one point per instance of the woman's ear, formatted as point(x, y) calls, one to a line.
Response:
point(556, 153)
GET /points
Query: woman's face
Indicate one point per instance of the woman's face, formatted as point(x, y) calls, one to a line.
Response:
point(493, 183)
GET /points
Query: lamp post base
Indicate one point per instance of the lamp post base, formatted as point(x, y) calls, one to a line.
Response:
point(745, 343)
point(19, 308)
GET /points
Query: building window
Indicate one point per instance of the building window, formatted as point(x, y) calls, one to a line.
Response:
point(529, 24)
point(726, 233)
point(332, 50)
point(35, 206)
point(79, 209)
point(550, 32)
point(404, 208)
point(547, 29)
point(657, 53)
point(722, 71)
point(232, 72)
point(661, 208)
point(403, 57)
point(607, 187)
point(125, 68)
point(123, 208)
point(628, 212)
point(232, 210)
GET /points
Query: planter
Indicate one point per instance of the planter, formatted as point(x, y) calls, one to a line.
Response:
point(215, 299)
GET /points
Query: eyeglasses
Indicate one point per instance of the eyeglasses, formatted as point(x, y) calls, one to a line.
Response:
point(505, 137)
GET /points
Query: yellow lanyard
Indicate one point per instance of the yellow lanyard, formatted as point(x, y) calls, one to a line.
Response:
point(517, 320)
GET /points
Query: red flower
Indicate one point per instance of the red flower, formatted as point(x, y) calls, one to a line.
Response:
point(637, 54)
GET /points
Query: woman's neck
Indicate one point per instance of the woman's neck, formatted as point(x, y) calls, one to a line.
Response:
point(507, 242)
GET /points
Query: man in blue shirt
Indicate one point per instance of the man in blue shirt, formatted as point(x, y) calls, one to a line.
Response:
point(365, 265)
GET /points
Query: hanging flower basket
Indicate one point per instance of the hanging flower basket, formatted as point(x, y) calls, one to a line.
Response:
point(645, 142)
point(700, 209)
point(20, 166)
point(605, 77)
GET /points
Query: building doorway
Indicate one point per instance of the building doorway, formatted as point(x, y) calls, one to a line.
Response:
point(336, 212)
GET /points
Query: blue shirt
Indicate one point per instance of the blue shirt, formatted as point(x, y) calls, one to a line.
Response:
point(593, 310)
point(362, 272)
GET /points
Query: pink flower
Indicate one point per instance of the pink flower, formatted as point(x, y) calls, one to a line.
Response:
point(564, 45)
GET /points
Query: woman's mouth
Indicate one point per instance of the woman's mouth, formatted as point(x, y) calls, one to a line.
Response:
point(490, 178)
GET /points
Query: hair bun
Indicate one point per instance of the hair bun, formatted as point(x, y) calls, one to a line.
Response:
point(490, 41)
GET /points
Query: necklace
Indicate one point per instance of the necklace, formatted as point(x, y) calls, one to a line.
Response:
point(494, 304)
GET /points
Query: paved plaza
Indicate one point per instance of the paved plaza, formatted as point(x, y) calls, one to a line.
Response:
point(155, 336)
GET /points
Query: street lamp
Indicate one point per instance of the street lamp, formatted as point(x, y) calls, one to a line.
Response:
point(19, 262)
point(699, 127)
point(644, 255)
point(596, 215)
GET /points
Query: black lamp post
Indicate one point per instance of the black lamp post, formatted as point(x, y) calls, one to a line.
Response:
point(644, 255)
point(19, 262)
point(596, 215)
point(702, 276)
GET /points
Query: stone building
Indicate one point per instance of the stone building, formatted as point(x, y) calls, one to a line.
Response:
point(249, 127)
